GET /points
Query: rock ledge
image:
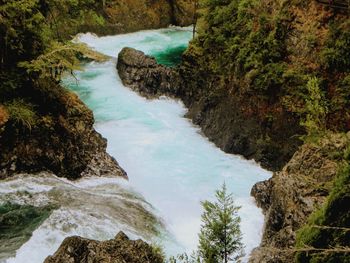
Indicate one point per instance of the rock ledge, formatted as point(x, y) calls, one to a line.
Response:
point(118, 250)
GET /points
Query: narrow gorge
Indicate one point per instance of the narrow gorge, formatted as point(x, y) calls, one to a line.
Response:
point(118, 119)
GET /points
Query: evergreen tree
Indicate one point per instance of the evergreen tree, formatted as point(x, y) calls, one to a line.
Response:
point(220, 238)
point(315, 109)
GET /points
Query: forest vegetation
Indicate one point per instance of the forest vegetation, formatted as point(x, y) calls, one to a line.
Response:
point(282, 65)
point(287, 65)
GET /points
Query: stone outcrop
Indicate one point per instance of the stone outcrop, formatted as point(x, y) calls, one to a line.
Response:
point(62, 140)
point(118, 250)
point(291, 195)
point(183, 12)
point(232, 128)
point(124, 16)
point(143, 74)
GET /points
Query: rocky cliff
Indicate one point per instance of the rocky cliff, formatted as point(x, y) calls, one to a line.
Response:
point(119, 16)
point(233, 129)
point(59, 137)
point(293, 194)
point(42, 125)
point(118, 250)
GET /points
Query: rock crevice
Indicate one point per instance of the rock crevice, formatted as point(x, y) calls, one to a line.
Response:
point(291, 195)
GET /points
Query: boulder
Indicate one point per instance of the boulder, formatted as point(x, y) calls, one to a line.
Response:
point(118, 250)
point(143, 74)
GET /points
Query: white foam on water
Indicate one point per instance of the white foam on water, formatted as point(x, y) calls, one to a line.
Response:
point(95, 207)
point(167, 159)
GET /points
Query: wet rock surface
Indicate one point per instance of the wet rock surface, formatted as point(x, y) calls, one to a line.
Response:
point(17, 222)
point(143, 74)
point(118, 250)
point(231, 122)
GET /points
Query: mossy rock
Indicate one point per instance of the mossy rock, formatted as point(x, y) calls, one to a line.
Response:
point(17, 223)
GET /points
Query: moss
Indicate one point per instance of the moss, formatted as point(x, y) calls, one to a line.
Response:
point(17, 223)
point(328, 227)
point(22, 112)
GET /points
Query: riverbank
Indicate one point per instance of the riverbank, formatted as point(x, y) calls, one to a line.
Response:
point(159, 147)
point(163, 153)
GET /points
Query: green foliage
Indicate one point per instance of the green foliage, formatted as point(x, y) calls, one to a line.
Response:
point(68, 16)
point(329, 227)
point(22, 112)
point(342, 99)
point(60, 58)
point(28, 27)
point(158, 251)
point(21, 27)
point(336, 54)
point(245, 39)
point(220, 236)
point(315, 110)
point(267, 49)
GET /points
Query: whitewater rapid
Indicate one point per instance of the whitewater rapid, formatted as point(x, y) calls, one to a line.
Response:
point(170, 165)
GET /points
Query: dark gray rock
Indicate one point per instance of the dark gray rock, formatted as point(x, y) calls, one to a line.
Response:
point(143, 74)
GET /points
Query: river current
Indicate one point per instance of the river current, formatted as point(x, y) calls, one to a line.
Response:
point(171, 166)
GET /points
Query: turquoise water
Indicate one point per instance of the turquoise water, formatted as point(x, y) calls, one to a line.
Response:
point(171, 166)
point(167, 159)
point(170, 57)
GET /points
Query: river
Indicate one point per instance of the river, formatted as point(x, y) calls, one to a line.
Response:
point(171, 166)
